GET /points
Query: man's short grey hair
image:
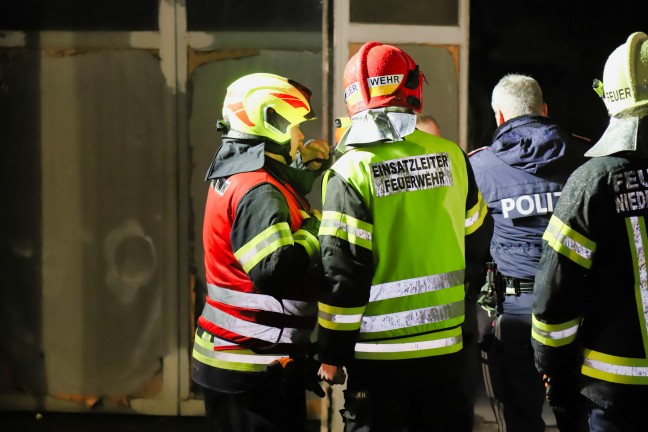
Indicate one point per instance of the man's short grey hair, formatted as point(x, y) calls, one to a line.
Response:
point(516, 95)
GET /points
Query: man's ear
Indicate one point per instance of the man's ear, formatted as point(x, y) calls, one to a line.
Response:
point(545, 110)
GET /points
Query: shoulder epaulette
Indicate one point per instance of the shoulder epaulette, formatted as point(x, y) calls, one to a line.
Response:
point(581, 137)
point(477, 150)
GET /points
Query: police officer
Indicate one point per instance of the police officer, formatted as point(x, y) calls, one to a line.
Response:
point(402, 224)
point(261, 261)
point(590, 312)
point(520, 175)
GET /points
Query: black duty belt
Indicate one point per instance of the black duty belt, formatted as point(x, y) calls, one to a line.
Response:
point(515, 286)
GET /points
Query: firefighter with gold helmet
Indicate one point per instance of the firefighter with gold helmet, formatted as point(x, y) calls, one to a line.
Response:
point(403, 223)
point(262, 261)
point(590, 310)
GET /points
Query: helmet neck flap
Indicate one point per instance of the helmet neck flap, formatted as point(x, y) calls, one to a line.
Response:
point(376, 126)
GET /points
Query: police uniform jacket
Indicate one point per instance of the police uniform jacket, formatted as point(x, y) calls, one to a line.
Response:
point(521, 176)
point(591, 291)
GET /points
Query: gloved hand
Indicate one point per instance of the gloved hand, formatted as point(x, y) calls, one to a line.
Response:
point(332, 374)
point(487, 301)
point(300, 369)
point(563, 395)
point(311, 223)
point(314, 153)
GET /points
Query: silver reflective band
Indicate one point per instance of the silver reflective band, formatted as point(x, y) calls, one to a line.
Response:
point(637, 371)
point(416, 285)
point(570, 243)
point(392, 321)
point(642, 276)
point(556, 335)
point(254, 330)
point(280, 232)
point(408, 346)
point(471, 220)
point(342, 226)
point(261, 301)
point(576, 247)
point(474, 218)
point(218, 342)
point(339, 318)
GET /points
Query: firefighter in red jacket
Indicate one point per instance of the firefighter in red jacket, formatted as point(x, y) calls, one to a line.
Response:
point(262, 261)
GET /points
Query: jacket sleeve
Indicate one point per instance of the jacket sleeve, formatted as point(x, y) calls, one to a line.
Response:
point(479, 229)
point(273, 257)
point(346, 241)
point(559, 292)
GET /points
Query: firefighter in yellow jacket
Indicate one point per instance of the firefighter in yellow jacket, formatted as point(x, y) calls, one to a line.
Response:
point(402, 224)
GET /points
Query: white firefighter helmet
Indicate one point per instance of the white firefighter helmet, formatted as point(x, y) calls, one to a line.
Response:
point(625, 78)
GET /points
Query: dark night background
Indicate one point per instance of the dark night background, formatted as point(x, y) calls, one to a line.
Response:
point(562, 44)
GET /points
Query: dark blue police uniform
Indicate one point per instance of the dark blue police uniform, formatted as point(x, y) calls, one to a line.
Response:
point(520, 176)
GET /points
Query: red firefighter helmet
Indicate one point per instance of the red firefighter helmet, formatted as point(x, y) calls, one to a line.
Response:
point(382, 76)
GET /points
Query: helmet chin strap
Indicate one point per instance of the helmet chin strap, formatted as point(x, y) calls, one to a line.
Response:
point(278, 149)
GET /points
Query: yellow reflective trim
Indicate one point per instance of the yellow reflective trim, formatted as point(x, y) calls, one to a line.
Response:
point(348, 220)
point(554, 335)
point(572, 233)
point(339, 318)
point(555, 327)
point(224, 364)
point(614, 360)
point(336, 310)
point(569, 243)
point(622, 370)
point(237, 359)
point(636, 227)
point(343, 235)
point(263, 244)
point(426, 345)
point(340, 321)
point(610, 377)
point(204, 341)
point(552, 342)
point(476, 215)
point(347, 228)
point(308, 241)
point(325, 180)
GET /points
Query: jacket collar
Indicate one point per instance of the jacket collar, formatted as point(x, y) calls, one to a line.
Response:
point(379, 125)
